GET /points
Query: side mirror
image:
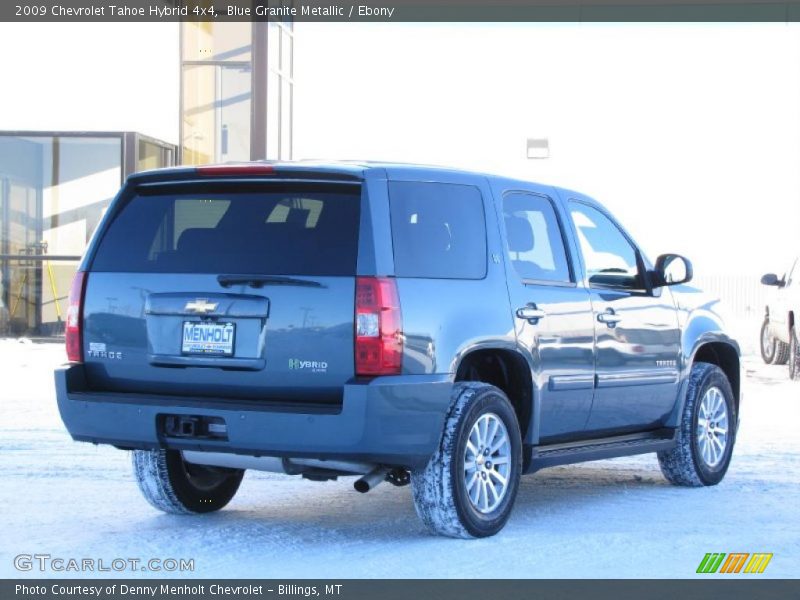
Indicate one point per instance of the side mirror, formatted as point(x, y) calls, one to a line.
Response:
point(771, 279)
point(672, 269)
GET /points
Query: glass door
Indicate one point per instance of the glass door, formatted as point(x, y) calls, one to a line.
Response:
point(216, 113)
point(233, 113)
point(21, 278)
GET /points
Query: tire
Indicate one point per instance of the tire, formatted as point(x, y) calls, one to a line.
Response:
point(782, 353)
point(174, 486)
point(794, 355)
point(697, 460)
point(767, 343)
point(446, 501)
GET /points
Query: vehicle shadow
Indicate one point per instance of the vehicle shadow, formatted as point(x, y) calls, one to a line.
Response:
point(328, 529)
point(309, 512)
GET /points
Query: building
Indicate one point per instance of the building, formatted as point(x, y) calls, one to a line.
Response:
point(236, 99)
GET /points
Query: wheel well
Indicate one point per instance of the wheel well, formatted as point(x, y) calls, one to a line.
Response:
point(726, 358)
point(506, 370)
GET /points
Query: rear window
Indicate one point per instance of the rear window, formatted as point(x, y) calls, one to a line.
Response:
point(438, 230)
point(214, 229)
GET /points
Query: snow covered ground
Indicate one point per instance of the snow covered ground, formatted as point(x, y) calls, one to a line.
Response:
point(614, 518)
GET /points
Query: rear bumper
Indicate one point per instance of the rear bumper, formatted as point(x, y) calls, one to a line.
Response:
point(389, 420)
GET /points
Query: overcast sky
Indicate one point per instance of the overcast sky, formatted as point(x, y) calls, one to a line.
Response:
point(689, 133)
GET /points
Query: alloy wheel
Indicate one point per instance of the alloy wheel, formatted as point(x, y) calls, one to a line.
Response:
point(487, 463)
point(712, 427)
point(766, 342)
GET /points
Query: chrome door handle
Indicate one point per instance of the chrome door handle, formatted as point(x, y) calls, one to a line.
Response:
point(531, 313)
point(609, 317)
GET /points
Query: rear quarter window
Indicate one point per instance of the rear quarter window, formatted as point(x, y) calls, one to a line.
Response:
point(231, 229)
point(438, 230)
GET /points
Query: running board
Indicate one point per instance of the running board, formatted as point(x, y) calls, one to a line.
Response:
point(611, 447)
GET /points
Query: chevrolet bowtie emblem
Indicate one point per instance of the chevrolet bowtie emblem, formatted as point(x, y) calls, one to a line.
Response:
point(201, 306)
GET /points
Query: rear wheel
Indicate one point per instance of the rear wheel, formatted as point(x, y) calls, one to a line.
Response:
point(707, 431)
point(469, 486)
point(794, 354)
point(768, 343)
point(175, 486)
point(782, 353)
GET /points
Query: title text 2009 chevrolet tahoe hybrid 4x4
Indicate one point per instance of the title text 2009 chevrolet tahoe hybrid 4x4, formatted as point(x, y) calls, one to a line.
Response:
point(448, 329)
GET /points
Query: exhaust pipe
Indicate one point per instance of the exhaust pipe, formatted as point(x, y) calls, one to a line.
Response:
point(371, 479)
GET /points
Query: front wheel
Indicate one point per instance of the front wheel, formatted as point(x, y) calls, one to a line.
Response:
point(706, 433)
point(469, 485)
point(175, 486)
point(768, 343)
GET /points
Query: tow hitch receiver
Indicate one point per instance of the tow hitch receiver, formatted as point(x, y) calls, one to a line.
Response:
point(191, 426)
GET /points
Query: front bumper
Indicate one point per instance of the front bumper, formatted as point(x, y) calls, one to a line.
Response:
point(389, 420)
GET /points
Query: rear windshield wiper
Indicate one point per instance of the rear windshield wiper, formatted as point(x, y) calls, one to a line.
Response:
point(258, 281)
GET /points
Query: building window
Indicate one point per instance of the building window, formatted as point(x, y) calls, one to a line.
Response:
point(54, 188)
point(237, 91)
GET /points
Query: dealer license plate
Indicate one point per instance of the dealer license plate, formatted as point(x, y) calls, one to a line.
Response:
point(201, 337)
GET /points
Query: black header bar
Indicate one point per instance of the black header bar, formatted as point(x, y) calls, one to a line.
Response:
point(412, 589)
point(402, 10)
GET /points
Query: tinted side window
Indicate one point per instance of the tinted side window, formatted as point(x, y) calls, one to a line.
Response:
point(609, 256)
point(232, 230)
point(535, 243)
point(438, 230)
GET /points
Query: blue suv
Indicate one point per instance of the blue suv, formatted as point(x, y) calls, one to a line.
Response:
point(410, 324)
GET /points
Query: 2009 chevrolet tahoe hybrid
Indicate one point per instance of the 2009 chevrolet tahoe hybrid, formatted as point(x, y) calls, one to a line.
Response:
point(446, 329)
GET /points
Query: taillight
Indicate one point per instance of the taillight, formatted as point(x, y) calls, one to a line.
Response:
point(379, 327)
point(74, 337)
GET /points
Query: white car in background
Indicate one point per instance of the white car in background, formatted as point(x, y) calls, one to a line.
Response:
point(780, 330)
